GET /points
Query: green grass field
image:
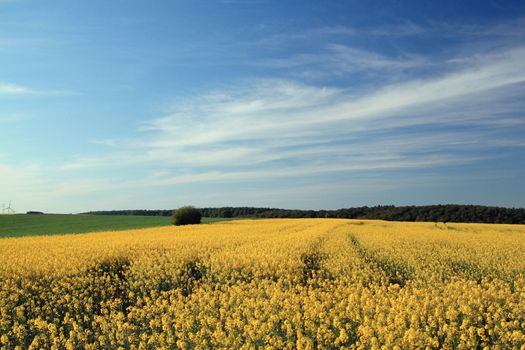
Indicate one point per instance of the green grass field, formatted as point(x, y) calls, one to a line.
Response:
point(55, 224)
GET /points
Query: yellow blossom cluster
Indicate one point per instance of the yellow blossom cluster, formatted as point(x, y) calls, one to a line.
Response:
point(276, 284)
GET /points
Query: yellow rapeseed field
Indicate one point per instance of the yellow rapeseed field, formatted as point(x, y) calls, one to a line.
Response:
point(276, 284)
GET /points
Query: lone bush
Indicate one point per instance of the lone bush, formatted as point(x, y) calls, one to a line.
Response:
point(186, 215)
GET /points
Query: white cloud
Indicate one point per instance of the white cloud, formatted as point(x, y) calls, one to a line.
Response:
point(13, 89)
point(268, 111)
point(270, 121)
point(342, 60)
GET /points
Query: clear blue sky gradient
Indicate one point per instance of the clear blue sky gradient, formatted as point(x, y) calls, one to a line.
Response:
point(328, 104)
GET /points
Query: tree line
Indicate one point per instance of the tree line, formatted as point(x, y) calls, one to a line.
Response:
point(432, 213)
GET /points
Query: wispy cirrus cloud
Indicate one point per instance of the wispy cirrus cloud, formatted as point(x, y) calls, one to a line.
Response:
point(288, 109)
point(339, 60)
point(13, 89)
point(10, 89)
point(281, 129)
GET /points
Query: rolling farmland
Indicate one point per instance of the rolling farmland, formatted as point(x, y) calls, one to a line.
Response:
point(56, 224)
point(281, 284)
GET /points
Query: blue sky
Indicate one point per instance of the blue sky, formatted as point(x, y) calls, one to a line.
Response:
point(294, 104)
